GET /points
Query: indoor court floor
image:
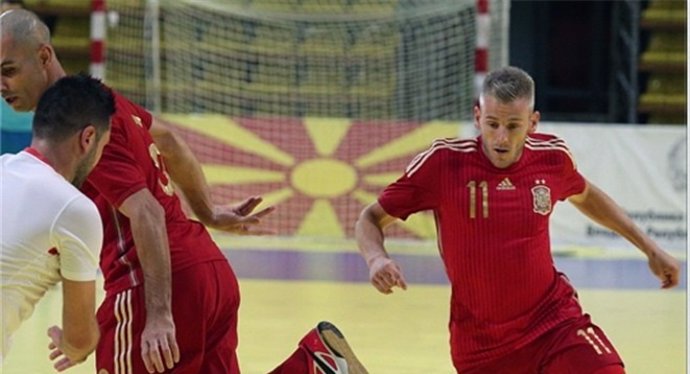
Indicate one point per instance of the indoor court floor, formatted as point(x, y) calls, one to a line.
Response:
point(286, 292)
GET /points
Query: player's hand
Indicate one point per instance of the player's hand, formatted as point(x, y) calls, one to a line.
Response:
point(62, 362)
point(159, 348)
point(665, 267)
point(385, 274)
point(239, 219)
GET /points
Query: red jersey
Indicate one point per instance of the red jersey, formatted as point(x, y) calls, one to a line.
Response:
point(131, 162)
point(493, 233)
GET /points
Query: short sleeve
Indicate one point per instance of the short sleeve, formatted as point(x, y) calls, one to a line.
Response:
point(117, 175)
point(416, 190)
point(144, 116)
point(573, 182)
point(78, 236)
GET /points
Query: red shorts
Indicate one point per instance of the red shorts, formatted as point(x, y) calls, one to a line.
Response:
point(575, 347)
point(205, 301)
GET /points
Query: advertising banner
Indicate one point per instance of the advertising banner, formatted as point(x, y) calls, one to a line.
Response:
point(642, 167)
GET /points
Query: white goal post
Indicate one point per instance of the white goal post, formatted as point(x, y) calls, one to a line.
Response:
point(371, 59)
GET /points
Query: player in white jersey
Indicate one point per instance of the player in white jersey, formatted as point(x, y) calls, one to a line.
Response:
point(49, 230)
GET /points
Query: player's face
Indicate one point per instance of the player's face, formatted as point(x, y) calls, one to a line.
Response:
point(102, 142)
point(24, 78)
point(504, 128)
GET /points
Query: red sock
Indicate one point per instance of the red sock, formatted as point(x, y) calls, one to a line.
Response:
point(296, 363)
point(611, 369)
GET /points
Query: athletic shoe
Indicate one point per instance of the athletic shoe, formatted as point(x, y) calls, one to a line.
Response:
point(330, 352)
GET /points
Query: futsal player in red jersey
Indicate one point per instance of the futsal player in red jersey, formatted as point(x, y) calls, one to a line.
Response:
point(171, 298)
point(512, 311)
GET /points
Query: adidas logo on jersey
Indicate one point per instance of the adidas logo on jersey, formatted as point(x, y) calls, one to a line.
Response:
point(505, 185)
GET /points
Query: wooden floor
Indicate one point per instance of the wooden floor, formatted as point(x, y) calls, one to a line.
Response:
point(400, 333)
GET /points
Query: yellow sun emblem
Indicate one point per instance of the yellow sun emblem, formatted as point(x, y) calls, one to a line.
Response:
point(319, 171)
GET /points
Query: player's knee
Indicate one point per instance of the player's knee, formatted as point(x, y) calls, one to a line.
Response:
point(611, 369)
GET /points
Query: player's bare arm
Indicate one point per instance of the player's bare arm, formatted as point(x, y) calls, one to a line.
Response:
point(384, 273)
point(184, 169)
point(601, 208)
point(159, 348)
point(79, 335)
point(186, 172)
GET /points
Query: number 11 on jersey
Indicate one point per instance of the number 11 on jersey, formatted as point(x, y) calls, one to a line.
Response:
point(484, 187)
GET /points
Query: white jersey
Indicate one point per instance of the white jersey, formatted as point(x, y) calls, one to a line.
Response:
point(48, 230)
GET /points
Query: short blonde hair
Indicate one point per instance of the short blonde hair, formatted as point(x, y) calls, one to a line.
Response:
point(509, 84)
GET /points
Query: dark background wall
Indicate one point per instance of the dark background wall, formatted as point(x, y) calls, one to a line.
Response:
point(604, 61)
point(565, 46)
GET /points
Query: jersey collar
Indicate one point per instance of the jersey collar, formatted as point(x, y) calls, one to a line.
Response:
point(34, 152)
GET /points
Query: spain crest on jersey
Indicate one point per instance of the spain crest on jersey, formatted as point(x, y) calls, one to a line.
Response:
point(541, 199)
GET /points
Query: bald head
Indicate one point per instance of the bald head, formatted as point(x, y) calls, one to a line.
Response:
point(24, 28)
point(27, 60)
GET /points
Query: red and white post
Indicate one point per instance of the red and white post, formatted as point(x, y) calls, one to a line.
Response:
point(481, 54)
point(98, 31)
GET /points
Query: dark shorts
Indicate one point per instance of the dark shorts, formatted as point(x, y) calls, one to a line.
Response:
point(205, 302)
point(575, 347)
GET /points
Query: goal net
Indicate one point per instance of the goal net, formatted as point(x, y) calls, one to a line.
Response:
point(316, 104)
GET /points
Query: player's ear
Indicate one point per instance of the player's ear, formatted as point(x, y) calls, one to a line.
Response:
point(534, 121)
point(45, 54)
point(477, 115)
point(87, 138)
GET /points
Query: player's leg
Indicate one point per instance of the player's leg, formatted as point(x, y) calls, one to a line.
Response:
point(579, 360)
point(611, 369)
point(220, 356)
point(323, 350)
point(516, 361)
point(198, 301)
point(205, 304)
point(121, 319)
point(581, 348)
point(520, 361)
point(298, 362)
